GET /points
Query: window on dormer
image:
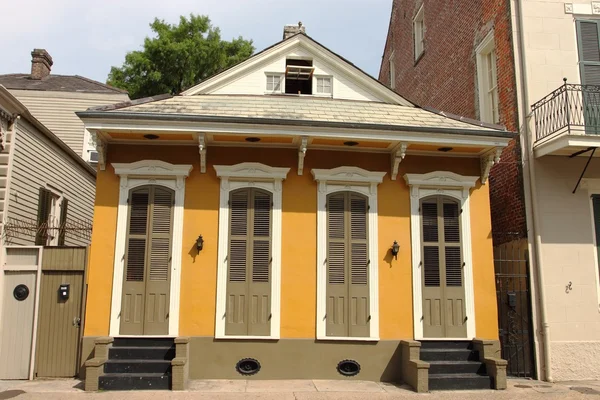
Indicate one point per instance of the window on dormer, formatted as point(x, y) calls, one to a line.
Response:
point(298, 76)
point(273, 83)
point(324, 85)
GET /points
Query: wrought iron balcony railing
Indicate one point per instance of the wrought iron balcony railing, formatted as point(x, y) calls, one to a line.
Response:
point(570, 108)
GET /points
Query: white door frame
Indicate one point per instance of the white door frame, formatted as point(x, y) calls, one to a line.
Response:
point(149, 172)
point(456, 186)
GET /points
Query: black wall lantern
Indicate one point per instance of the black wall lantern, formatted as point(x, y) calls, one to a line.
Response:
point(199, 243)
point(395, 249)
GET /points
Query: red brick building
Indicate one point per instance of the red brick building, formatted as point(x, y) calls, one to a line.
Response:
point(456, 56)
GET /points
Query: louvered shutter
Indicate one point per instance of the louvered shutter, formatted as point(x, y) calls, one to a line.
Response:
point(44, 205)
point(359, 267)
point(248, 304)
point(588, 38)
point(260, 284)
point(337, 290)
point(158, 262)
point(63, 222)
point(347, 266)
point(431, 251)
point(133, 298)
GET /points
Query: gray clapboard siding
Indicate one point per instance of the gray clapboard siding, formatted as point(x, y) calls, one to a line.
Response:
point(4, 161)
point(57, 110)
point(39, 162)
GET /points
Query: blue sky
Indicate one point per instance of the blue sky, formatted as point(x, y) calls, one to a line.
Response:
point(88, 37)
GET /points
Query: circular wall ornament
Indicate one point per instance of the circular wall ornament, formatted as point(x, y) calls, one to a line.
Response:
point(348, 367)
point(21, 292)
point(247, 366)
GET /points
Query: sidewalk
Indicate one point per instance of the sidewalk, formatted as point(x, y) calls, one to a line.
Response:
point(298, 390)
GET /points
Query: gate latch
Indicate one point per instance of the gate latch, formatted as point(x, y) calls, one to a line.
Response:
point(512, 299)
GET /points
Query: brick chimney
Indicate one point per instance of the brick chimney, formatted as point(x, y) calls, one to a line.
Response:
point(41, 62)
point(291, 30)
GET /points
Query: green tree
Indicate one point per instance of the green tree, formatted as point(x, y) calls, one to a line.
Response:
point(178, 57)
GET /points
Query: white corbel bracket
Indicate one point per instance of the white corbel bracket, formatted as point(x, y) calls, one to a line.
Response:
point(302, 154)
point(487, 162)
point(397, 156)
point(102, 149)
point(202, 150)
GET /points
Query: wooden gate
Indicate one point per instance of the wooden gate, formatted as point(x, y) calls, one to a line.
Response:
point(62, 300)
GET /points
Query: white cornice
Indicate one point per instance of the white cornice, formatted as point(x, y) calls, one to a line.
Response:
point(251, 170)
point(152, 168)
point(348, 174)
point(439, 179)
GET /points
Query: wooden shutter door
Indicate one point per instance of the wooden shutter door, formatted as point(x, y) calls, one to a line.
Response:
point(588, 38)
point(158, 260)
point(347, 266)
point(433, 315)
point(133, 296)
point(596, 208)
point(359, 267)
point(454, 290)
point(260, 281)
point(44, 204)
point(248, 304)
point(337, 290)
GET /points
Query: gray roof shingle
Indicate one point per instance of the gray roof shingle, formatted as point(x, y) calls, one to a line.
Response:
point(300, 109)
point(57, 83)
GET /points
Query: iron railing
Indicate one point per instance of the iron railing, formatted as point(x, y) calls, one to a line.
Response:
point(569, 109)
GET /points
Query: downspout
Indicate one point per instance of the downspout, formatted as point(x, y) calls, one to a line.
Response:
point(529, 183)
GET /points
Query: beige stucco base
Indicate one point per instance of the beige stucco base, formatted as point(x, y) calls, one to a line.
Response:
point(575, 361)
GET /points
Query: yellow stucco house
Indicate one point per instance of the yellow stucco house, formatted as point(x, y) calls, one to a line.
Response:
point(291, 218)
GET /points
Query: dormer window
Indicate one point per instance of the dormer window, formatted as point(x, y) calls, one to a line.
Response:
point(324, 85)
point(298, 76)
point(274, 83)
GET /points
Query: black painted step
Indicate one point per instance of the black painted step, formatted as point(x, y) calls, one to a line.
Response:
point(134, 382)
point(459, 382)
point(441, 344)
point(457, 367)
point(141, 353)
point(137, 366)
point(143, 342)
point(449, 355)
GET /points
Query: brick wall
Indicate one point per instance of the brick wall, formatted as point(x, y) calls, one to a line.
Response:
point(445, 77)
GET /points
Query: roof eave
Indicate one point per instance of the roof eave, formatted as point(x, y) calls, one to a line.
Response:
point(123, 115)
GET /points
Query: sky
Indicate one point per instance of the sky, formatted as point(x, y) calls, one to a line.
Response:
point(87, 37)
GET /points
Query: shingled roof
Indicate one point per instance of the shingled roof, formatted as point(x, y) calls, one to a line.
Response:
point(57, 83)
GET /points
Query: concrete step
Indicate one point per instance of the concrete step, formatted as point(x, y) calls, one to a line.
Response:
point(141, 353)
point(459, 382)
point(448, 355)
point(443, 344)
point(137, 366)
point(457, 367)
point(143, 342)
point(134, 382)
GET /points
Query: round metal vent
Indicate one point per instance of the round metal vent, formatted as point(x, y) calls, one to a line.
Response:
point(247, 366)
point(348, 367)
point(21, 292)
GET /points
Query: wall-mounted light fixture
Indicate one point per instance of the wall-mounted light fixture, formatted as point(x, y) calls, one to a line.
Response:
point(199, 243)
point(395, 249)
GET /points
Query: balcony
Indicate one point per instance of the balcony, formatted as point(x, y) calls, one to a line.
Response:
point(567, 121)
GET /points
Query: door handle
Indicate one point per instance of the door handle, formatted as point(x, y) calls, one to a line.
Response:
point(77, 322)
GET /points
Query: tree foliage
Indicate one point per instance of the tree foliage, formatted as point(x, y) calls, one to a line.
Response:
point(178, 57)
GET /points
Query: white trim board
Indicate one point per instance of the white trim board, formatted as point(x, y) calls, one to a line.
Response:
point(232, 178)
point(455, 186)
point(360, 181)
point(149, 172)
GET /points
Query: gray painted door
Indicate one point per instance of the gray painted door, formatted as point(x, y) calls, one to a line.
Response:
point(248, 307)
point(17, 324)
point(348, 310)
point(444, 312)
point(147, 272)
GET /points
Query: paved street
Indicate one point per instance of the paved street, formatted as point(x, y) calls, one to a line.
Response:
point(298, 390)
